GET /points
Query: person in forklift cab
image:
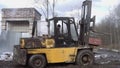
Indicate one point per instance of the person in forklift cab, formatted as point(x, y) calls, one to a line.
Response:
point(58, 29)
point(59, 39)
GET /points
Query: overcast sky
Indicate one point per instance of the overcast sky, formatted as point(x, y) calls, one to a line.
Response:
point(100, 8)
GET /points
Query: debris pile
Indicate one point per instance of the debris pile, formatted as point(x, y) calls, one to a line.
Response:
point(6, 56)
point(106, 56)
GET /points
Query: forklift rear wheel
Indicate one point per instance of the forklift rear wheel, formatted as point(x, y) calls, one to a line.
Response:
point(37, 61)
point(85, 57)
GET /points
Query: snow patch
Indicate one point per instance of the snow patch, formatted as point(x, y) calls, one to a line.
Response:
point(6, 56)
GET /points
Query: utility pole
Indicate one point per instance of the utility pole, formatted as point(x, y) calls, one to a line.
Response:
point(48, 17)
point(47, 10)
point(53, 8)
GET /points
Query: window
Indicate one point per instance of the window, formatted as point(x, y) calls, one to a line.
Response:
point(51, 28)
point(73, 32)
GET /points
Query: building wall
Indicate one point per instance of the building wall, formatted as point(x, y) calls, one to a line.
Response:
point(16, 23)
point(8, 39)
point(25, 17)
point(20, 13)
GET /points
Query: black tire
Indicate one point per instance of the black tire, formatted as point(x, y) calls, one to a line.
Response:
point(37, 61)
point(85, 58)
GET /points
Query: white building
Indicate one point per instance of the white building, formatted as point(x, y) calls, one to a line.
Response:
point(19, 19)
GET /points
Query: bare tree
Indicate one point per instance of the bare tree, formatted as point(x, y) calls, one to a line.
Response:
point(111, 26)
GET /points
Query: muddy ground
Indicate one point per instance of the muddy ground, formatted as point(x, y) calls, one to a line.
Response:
point(4, 64)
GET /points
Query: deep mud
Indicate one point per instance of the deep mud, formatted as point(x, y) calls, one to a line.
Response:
point(4, 64)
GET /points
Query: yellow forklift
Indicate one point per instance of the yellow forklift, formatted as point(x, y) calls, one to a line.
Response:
point(63, 44)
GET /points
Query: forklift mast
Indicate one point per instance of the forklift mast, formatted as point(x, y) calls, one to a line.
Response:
point(85, 22)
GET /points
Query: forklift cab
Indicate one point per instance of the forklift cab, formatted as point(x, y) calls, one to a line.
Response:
point(63, 30)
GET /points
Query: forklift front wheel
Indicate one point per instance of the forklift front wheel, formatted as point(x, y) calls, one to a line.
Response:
point(85, 57)
point(37, 61)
